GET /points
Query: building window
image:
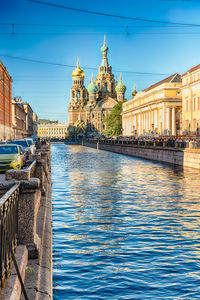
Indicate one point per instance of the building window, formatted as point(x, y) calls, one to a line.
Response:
point(78, 94)
point(105, 87)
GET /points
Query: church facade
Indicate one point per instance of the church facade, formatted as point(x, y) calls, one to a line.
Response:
point(91, 105)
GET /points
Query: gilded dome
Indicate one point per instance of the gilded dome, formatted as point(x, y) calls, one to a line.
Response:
point(92, 88)
point(120, 87)
point(78, 72)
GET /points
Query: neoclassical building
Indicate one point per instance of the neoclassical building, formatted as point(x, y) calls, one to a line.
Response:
point(92, 105)
point(155, 110)
point(191, 101)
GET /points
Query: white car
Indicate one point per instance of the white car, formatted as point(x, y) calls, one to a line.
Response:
point(31, 144)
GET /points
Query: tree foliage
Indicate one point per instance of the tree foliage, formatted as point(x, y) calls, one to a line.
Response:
point(114, 121)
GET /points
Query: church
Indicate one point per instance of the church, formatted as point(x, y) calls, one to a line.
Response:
point(90, 106)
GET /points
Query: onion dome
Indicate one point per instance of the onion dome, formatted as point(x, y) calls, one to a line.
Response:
point(104, 48)
point(92, 88)
point(78, 72)
point(120, 88)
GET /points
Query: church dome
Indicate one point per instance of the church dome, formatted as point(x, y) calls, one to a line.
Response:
point(92, 88)
point(78, 72)
point(120, 87)
point(104, 48)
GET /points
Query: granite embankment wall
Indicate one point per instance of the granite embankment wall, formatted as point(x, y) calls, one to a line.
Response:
point(34, 234)
point(188, 157)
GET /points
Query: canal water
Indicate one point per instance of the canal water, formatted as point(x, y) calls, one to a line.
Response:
point(123, 228)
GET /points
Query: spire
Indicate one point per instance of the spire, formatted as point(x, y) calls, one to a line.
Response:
point(134, 90)
point(120, 78)
point(78, 66)
point(104, 39)
point(92, 78)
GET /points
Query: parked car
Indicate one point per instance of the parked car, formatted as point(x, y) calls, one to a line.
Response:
point(23, 143)
point(10, 157)
point(24, 154)
point(31, 145)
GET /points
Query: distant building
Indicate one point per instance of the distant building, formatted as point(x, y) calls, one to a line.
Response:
point(29, 118)
point(91, 106)
point(191, 101)
point(5, 103)
point(155, 110)
point(46, 121)
point(18, 119)
point(52, 131)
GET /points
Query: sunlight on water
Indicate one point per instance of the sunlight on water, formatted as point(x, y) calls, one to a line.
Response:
point(123, 228)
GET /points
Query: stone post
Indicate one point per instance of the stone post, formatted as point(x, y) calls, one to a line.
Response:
point(191, 145)
point(29, 203)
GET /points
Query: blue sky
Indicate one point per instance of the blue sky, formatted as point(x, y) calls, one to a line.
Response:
point(133, 45)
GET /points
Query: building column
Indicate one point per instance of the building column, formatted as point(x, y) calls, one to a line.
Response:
point(155, 119)
point(163, 121)
point(149, 121)
point(173, 121)
point(168, 119)
point(144, 129)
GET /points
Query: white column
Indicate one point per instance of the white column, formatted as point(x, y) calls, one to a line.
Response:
point(149, 121)
point(144, 122)
point(173, 121)
point(163, 119)
point(139, 125)
point(155, 119)
point(167, 119)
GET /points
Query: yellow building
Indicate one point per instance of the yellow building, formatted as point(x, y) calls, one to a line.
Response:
point(53, 131)
point(155, 110)
point(191, 100)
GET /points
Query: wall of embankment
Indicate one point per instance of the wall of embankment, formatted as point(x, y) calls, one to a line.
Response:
point(183, 157)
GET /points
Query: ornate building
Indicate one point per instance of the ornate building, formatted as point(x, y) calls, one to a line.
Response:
point(93, 104)
point(155, 110)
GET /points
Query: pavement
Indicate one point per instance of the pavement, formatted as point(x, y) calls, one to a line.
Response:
point(2, 177)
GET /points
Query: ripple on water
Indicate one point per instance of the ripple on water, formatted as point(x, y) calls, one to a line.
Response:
point(123, 228)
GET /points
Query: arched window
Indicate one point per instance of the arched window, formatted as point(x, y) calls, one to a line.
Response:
point(99, 86)
point(78, 94)
point(112, 87)
point(106, 87)
point(73, 94)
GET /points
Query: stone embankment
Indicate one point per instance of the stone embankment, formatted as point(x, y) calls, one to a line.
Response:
point(34, 235)
point(188, 157)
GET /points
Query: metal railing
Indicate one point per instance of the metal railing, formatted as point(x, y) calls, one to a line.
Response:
point(8, 230)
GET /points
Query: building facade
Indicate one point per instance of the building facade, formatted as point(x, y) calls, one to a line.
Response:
point(191, 101)
point(91, 106)
point(18, 119)
point(35, 124)
point(155, 110)
point(52, 131)
point(29, 118)
point(5, 103)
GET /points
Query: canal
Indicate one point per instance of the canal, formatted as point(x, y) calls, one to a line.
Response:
point(123, 228)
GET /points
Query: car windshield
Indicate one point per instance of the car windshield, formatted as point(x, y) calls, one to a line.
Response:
point(22, 143)
point(30, 142)
point(9, 150)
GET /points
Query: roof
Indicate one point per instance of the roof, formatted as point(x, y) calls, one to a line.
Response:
point(173, 78)
point(192, 69)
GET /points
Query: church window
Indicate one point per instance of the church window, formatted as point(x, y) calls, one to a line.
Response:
point(99, 86)
point(73, 94)
point(92, 116)
point(106, 87)
point(112, 87)
point(78, 94)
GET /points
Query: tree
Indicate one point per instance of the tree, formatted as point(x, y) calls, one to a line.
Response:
point(114, 121)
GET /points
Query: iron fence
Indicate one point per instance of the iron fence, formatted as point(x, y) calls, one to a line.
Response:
point(8, 230)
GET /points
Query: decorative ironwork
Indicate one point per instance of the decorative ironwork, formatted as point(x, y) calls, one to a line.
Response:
point(8, 230)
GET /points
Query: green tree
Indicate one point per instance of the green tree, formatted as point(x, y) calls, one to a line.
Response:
point(114, 121)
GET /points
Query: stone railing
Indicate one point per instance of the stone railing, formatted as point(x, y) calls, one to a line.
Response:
point(32, 182)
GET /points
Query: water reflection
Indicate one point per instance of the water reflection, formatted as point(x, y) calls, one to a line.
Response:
point(124, 228)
